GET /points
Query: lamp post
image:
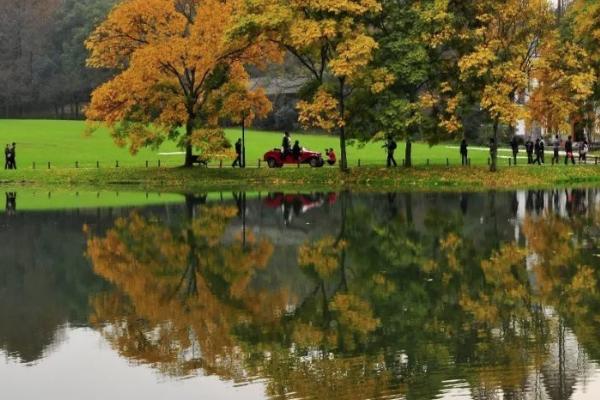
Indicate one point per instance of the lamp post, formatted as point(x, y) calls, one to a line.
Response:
point(243, 140)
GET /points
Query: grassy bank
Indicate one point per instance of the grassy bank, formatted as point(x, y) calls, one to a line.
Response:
point(435, 178)
point(63, 143)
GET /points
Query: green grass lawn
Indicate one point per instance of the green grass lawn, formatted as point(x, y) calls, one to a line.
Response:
point(62, 143)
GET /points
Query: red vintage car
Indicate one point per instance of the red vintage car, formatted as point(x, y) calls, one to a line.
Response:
point(274, 159)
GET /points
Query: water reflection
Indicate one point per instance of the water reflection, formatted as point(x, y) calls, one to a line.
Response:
point(415, 296)
point(11, 203)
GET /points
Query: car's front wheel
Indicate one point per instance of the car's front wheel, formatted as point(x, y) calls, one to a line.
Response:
point(272, 163)
point(316, 162)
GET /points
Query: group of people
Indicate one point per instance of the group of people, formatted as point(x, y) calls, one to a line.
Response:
point(10, 156)
point(536, 150)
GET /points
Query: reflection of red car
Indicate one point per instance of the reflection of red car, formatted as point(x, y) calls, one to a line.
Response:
point(301, 202)
point(274, 159)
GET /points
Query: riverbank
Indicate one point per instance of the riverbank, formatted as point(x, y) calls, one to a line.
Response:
point(433, 178)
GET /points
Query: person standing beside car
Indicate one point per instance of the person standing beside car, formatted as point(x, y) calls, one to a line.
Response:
point(286, 145)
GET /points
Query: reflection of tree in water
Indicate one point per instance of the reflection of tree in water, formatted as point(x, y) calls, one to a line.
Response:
point(395, 306)
point(182, 289)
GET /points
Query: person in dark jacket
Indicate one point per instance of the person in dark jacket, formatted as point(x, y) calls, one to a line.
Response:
point(539, 152)
point(464, 152)
point(13, 156)
point(391, 145)
point(238, 152)
point(529, 148)
point(7, 157)
point(297, 150)
point(569, 151)
point(556, 149)
point(286, 145)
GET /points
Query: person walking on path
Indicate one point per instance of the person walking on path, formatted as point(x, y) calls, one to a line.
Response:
point(391, 147)
point(556, 148)
point(542, 150)
point(7, 157)
point(537, 147)
point(514, 145)
point(464, 152)
point(529, 147)
point(238, 153)
point(13, 156)
point(569, 151)
point(583, 150)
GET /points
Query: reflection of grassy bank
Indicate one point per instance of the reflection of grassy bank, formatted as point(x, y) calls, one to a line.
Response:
point(292, 179)
point(39, 200)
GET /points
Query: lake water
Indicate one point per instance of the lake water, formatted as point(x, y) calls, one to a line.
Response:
point(300, 296)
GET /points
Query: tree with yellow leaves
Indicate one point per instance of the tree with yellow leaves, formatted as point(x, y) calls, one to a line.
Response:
point(583, 17)
point(506, 43)
point(331, 39)
point(178, 68)
point(563, 83)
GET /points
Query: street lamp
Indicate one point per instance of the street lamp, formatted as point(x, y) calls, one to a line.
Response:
point(243, 140)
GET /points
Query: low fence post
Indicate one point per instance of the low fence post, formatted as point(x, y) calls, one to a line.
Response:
point(428, 162)
point(220, 163)
point(98, 164)
point(158, 163)
point(259, 163)
point(48, 164)
point(447, 162)
point(510, 162)
point(76, 164)
point(34, 165)
point(146, 163)
point(359, 162)
point(117, 164)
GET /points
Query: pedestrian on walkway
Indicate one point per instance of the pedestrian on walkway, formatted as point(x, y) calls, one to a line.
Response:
point(569, 151)
point(556, 148)
point(529, 148)
point(464, 152)
point(238, 152)
point(583, 151)
point(391, 147)
point(537, 149)
point(7, 157)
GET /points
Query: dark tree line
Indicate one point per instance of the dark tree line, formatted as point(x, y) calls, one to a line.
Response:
point(42, 56)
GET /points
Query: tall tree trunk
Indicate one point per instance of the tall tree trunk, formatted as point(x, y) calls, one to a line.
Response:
point(343, 158)
point(494, 148)
point(408, 153)
point(189, 129)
